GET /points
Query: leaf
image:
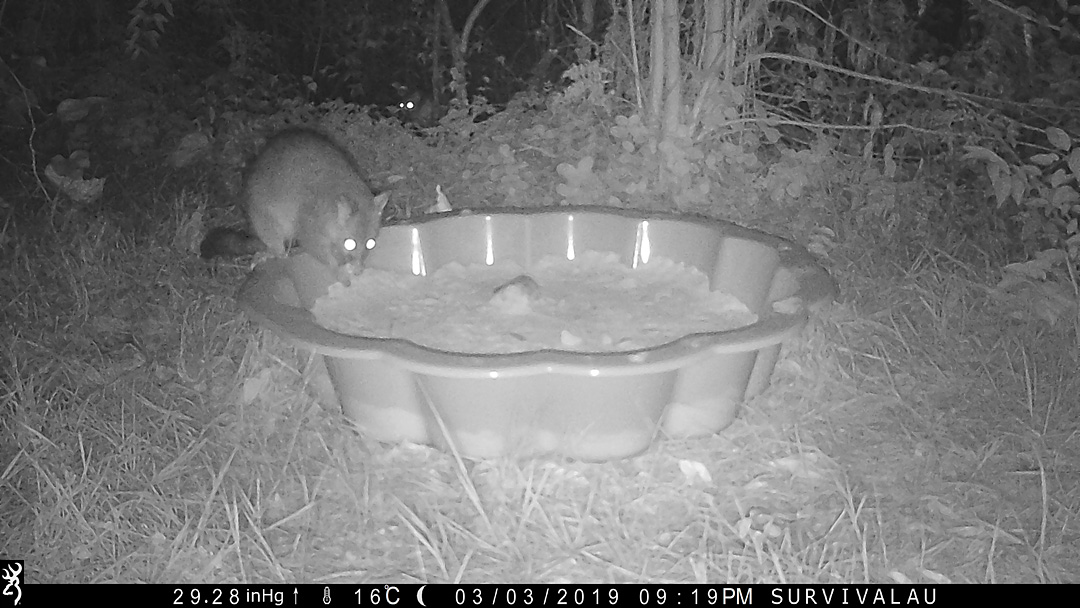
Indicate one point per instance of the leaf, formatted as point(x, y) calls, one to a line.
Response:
point(1035, 202)
point(772, 135)
point(899, 577)
point(1049, 257)
point(1058, 138)
point(983, 154)
point(876, 114)
point(1064, 197)
point(890, 162)
point(1051, 301)
point(585, 165)
point(72, 110)
point(1057, 178)
point(1019, 187)
point(190, 148)
point(1044, 159)
point(695, 472)
point(993, 171)
point(1074, 162)
point(1002, 187)
point(255, 386)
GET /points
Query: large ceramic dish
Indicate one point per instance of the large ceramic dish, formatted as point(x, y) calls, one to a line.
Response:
point(588, 406)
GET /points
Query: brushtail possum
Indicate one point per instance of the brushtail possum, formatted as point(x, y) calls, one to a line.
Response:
point(304, 189)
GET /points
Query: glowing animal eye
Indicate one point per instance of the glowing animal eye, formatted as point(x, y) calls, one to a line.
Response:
point(350, 244)
point(370, 244)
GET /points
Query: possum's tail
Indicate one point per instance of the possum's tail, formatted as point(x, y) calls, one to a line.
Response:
point(230, 243)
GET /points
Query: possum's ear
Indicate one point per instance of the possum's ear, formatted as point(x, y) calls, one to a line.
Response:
point(380, 201)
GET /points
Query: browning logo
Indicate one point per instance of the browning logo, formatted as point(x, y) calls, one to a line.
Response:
point(11, 573)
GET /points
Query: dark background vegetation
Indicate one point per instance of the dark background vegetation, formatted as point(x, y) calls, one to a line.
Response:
point(916, 82)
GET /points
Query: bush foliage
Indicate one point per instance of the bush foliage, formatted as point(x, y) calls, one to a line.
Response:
point(899, 117)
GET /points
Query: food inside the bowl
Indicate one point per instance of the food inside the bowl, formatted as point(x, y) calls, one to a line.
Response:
point(514, 296)
point(594, 303)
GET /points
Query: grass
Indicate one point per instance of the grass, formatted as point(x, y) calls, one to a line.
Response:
point(151, 433)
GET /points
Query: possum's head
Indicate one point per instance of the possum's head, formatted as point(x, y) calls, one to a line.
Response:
point(419, 109)
point(354, 231)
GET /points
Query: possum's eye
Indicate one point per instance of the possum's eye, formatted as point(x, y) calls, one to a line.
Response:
point(369, 244)
point(350, 244)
